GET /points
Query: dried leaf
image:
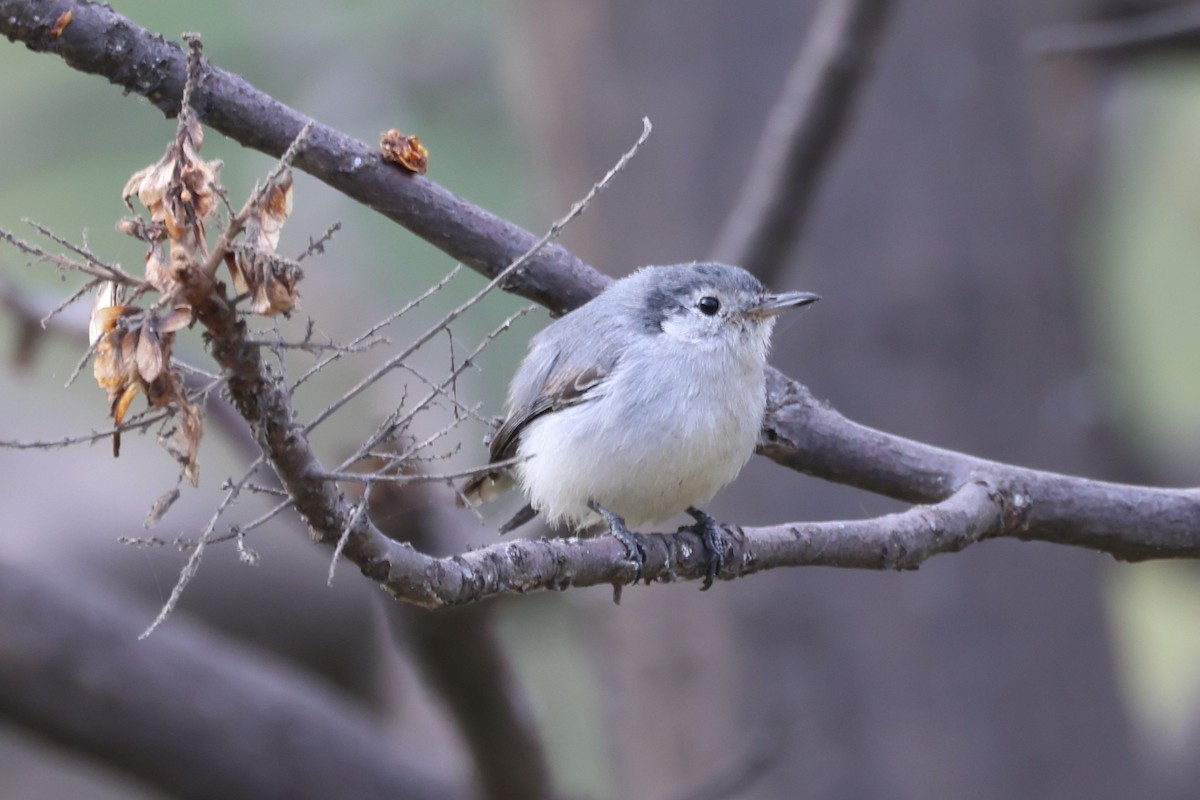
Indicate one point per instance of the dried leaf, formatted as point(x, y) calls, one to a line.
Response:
point(139, 228)
point(179, 318)
point(120, 405)
point(271, 282)
point(184, 441)
point(407, 151)
point(273, 212)
point(108, 298)
point(133, 353)
point(188, 436)
point(163, 390)
point(180, 193)
point(150, 184)
point(150, 360)
point(160, 508)
point(192, 199)
point(234, 261)
point(105, 366)
point(158, 273)
point(277, 293)
point(104, 320)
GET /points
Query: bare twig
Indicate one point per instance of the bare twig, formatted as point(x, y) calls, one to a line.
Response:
point(452, 396)
point(94, 268)
point(82, 251)
point(396, 421)
point(381, 476)
point(237, 222)
point(317, 246)
point(71, 298)
point(193, 563)
point(81, 363)
point(320, 347)
point(512, 269)
point(360, 509)
point(138, 422)
point(378, 326)
point(801, 134)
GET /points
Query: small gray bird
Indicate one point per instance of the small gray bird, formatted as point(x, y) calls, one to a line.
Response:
point(640, 404)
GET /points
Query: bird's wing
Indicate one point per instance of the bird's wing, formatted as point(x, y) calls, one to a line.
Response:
point(552, 377)
point(567, 388)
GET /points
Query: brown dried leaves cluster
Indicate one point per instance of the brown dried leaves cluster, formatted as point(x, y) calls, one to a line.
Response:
point(180, 192)
point(257, 271)
point(405, 150)
point(133, 354)
point(132, 343)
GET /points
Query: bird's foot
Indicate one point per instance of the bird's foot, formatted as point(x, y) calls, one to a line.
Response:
point(714, 548)
point(633, 544)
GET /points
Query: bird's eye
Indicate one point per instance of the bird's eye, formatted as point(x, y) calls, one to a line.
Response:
point(708, 305)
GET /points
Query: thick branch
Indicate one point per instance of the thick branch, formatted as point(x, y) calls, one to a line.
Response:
point(1128, 522)
point(1131, 523)
point(100, 41)
point(801, 133)
point(186, 712)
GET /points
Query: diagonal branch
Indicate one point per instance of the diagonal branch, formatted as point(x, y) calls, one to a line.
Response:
point(100, 41)
point(973, 499)
point(1131, 523)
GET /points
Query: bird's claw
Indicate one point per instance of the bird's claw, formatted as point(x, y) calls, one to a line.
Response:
point(631, 541)
point(714, 548)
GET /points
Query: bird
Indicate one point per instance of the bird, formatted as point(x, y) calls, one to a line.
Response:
point(639, 405)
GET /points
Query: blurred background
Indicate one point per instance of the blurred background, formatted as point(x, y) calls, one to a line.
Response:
point(1006, 244)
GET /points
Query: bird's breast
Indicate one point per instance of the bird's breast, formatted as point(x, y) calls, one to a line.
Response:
point(658, 438)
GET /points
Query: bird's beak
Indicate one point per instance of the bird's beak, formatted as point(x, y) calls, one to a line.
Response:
point(773, 304)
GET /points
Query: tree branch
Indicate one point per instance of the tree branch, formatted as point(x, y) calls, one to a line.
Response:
point(100, 41)
point(186, 712)
point(1131, 523)
point(800, 135)
point(974, 498)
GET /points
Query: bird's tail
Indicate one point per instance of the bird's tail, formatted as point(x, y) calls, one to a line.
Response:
point(485, 487)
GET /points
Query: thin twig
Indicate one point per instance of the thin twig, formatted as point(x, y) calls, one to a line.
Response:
point(425, 477)
point(237, 222)
point(359, 510)
point(555, 229)
point(450, 395)
point(137, 423)
point(383, 323)
point(79, 250)
point(71, 298)
point(398, 422)
point(95, 269)
point(193, 563)
point(317, 246)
